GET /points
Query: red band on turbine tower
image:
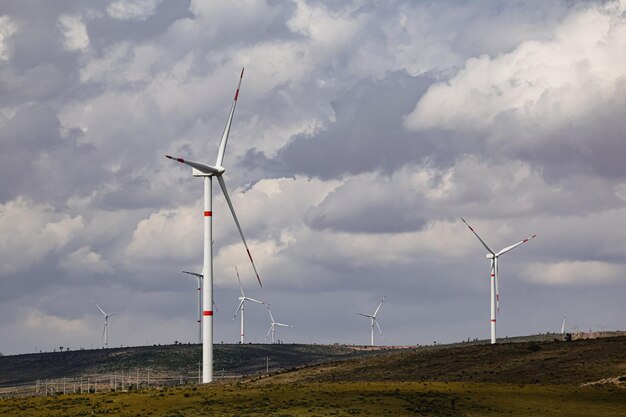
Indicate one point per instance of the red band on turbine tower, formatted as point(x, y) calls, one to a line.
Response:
point(493, 320)
point(208, 213)
point(207, 313)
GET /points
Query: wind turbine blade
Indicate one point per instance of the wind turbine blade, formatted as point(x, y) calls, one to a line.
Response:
point(497, 290)
point(232, 210)
point(253, 300)
point(271, 316)
point(195, 274)
point(270, 330)
point(207, 169)
point(100, 309)
point(239, 280)
point(215, 307)
point(365, 315)
point(222, 149)
point(379, 305)
point(283, 325)
point(104, 328)
point(238, 310)
point(379, 329)
point(476, 234)
point(508, 248)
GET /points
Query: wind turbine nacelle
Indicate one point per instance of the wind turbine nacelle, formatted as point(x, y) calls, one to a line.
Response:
point(489, 256)
point(198, 173)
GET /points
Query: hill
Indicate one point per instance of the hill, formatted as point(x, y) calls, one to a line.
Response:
point(230, 360)
point(527, 378)
point(575, 362)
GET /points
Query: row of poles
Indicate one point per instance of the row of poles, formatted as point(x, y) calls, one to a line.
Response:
point(122, 381)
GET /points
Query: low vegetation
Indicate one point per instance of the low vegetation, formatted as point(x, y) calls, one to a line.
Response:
point(580, 378)
point(336, 399)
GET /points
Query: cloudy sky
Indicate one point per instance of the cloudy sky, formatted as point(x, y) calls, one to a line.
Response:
point(364, 131)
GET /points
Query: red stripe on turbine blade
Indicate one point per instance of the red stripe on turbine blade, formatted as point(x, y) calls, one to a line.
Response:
point(236, 94)
point(208, 213)
point(525, 240)
point(180, 160)
point(207, 313)
point(241, 76)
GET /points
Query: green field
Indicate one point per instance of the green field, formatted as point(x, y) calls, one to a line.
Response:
point(337, 399)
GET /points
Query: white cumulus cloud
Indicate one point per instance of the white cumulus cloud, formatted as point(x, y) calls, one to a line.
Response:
point(31, 231)
point(542, 81)
point(574, 272)
point(7, 28)
point(74, 32)
point(132, 9)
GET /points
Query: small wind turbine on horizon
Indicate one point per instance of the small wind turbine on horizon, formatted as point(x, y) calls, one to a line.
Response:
point(563, 325)
point(495, 293)
point(105, 330)
point(207, 172)
point(373, 320)
point(241, 307)
point(272, 329)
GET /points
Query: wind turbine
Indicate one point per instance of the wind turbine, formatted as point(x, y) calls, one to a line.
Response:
point(563, 326)
point(373, 320)
point(208, 172)
point(272, 329)
point(495, 293)
point(105, 330)
point(199, 276)
point(242, 300)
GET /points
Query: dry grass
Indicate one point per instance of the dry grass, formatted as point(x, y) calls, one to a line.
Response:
point(338, 399)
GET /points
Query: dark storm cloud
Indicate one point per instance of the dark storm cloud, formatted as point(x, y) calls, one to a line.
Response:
point(367, 134)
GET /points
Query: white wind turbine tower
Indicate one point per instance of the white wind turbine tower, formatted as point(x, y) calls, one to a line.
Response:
point(272, 329)
point(200, 277)
point(208, 172)
point(243, 300)
point(563, 326)
point(105, 330)
point(495, 294)
point(373, 320)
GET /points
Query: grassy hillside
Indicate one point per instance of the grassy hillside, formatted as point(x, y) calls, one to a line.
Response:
point(231, 359)
point(512, 379)
point(573, 362)
point(335, 399)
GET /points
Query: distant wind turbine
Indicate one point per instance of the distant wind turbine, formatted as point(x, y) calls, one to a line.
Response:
point(495, 294)
point(105, 330)
point(241, 307)
point(272, 329)
point(373, 320)
point(563, 325)
point(208, 172)
point(199, 276)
